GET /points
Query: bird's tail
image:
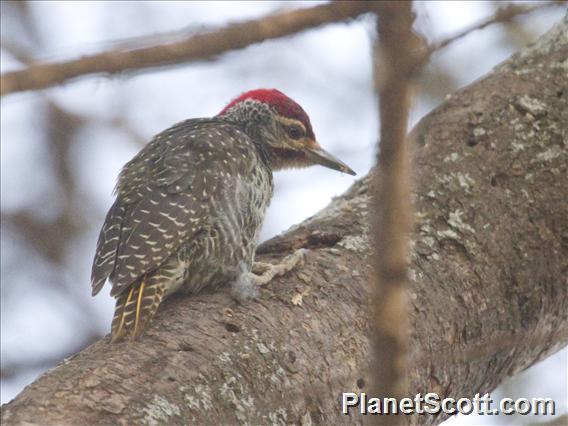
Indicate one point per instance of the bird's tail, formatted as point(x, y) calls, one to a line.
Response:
point(135, 308)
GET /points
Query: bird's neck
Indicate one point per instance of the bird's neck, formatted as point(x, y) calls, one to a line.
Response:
point(282, 159)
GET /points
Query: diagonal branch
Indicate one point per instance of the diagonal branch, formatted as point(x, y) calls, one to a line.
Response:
point(198, 47)
point(488, 289)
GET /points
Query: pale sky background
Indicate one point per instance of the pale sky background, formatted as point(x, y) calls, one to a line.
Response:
point(47, 305)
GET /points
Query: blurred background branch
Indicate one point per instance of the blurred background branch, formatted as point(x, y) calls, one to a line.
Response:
point(505, 13)
point(206, 45)
point(397, 52)
point(197, 47)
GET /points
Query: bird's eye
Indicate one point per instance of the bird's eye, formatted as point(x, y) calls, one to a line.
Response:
point(295, 132)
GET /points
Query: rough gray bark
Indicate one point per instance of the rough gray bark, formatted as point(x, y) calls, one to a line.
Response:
point(488, 294)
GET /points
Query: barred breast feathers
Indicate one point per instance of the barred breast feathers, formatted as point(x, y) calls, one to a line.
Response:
point(165, 194)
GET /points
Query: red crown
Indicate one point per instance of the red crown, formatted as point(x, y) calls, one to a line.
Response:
point(279, 102)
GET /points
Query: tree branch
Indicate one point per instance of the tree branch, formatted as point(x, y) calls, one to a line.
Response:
point(198, 47)
point(488, 287)
point(397, 55)
point(505, 13)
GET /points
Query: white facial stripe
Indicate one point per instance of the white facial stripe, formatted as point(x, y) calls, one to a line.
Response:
point(291, 122)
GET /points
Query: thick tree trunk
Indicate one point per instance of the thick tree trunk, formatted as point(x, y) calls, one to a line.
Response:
point(488, 295)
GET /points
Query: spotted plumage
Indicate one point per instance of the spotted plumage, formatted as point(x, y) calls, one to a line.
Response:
point(189, 207)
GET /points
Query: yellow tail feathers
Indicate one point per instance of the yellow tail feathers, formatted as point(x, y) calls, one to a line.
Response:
point(138, 306)
point(135, 309)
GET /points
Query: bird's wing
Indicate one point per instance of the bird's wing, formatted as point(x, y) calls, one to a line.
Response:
point(107, 247)
point(164, 197)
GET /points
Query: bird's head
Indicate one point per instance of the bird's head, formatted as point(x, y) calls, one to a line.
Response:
point(278, 122)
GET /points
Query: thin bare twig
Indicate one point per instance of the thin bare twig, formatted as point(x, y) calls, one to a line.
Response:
point(398, 50)
point(195, 48)
point(503, 14)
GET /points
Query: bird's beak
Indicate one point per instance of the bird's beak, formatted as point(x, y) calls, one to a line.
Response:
point(324, 158)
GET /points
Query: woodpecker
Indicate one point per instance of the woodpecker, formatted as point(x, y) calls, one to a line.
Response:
point(190, 205)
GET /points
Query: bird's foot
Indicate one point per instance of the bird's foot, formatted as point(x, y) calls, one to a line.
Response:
point(263, 273)
point(245, 286)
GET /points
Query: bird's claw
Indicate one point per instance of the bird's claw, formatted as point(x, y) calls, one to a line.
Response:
point(266, 272)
